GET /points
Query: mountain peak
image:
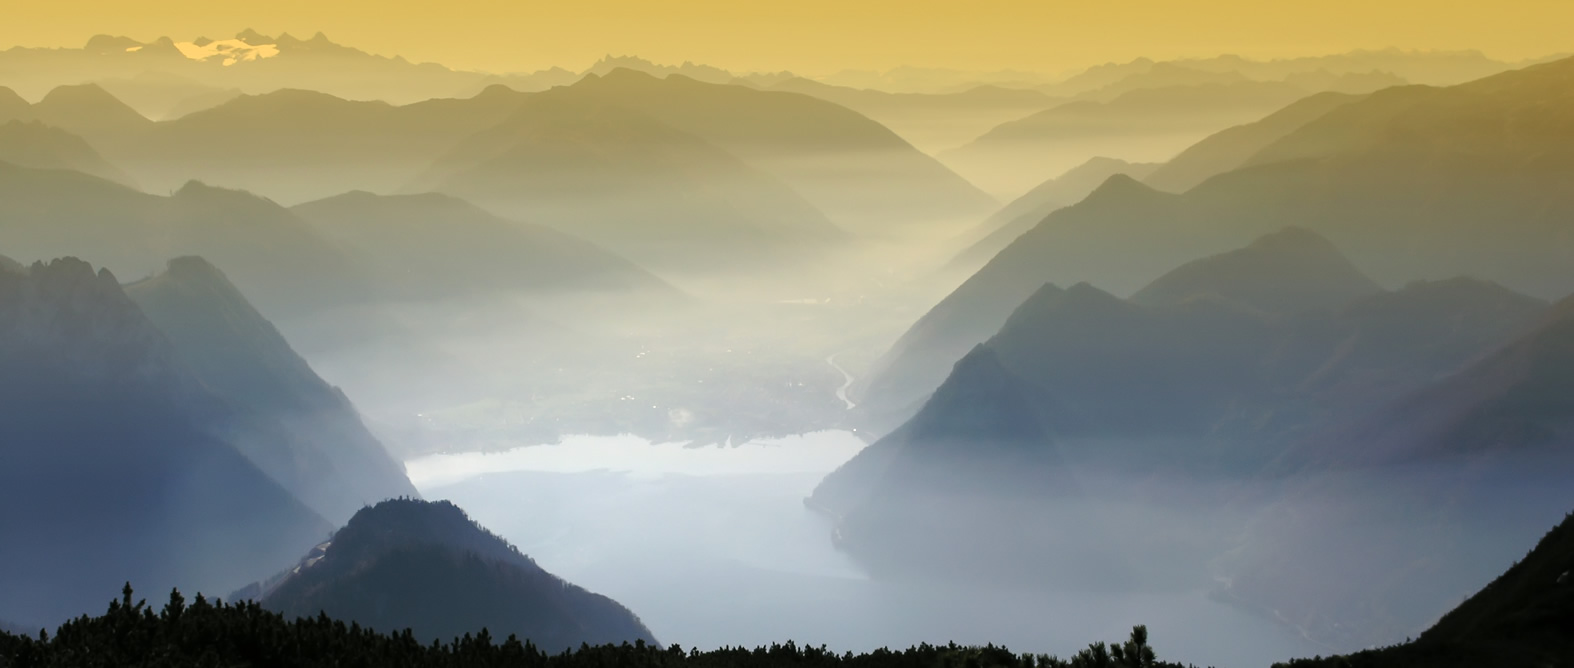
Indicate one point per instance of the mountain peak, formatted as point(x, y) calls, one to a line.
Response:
point(1119, 187)
point(253, 37)
point(1287, 271)
point(79, 94)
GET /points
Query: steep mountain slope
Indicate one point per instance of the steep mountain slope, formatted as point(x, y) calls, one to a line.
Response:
point(430, 568)
point(13, 107)
point(463, 250)
point(1518, 620)
point(35, 145)
point(1410, 182)
point(1230, 148)
point(1011, 221)
point(862, 175)
point(1468, 465)
point(278, 260)
point(1235, 365)
point(296, 428)
point(112, 470)
point(975, 451)
point(613, 175)
point(1288, 271)
point(971, 314)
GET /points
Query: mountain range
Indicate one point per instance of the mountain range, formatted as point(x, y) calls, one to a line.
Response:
point(1279, 371)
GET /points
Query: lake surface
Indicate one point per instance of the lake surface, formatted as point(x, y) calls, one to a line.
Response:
point(713, 546)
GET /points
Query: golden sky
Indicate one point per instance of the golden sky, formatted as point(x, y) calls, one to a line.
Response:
point(822, 36)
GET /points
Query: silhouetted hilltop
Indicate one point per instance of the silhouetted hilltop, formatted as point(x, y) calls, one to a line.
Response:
point(1285, 272)
point(116, 468)
point(33, 144)
point(295, 427)
point(432, 246)
point(11, 266)
point(428, 567)
point(1012, 220)
point(1230, 148)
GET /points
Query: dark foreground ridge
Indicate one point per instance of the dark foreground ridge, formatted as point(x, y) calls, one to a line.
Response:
point(213, 633)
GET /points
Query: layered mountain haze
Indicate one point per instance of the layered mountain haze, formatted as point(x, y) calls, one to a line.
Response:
point(844, 327)
point(275, 257)
point(1232, 147)
point(433, 246)
point(816, 147)
point(612, 175)
point(930, 121)
point(1289, 271)
point(1012, 220)
point(297, 428)
point(428, 567)
point(114, 468)
point(33, 144)
point(299, 145)
point(1140, 125)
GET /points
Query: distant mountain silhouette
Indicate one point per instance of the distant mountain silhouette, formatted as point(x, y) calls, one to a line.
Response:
point(433, 246)
point(250, 61)
point(664, 197)
point(297, 145)
point(9, 265)
point(277, 259)
point(113, 468)
point(1230, 148)
point(1011, 221)
point(930, 121)
point(295, 427)
point(862, 175)
point(33, 144)
point(1410, 182)
point(1289, 271)
point(91, 112)
point(430, 568)
point(1141, 125)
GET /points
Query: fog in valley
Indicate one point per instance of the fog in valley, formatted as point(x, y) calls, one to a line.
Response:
point(1273, 357)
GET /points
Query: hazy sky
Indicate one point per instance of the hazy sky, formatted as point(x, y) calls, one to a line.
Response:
point(821, 36)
